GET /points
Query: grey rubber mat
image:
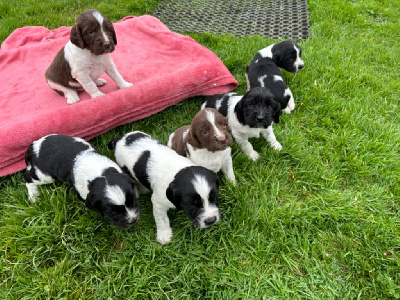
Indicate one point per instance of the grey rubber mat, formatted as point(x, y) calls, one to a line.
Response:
point(277, 19)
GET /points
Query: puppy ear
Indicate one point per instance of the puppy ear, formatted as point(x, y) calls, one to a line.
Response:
point(76, 37)
point(114, 35)
point(111, 27)
point(111, 145)
point(239, 110)
point(173, 196)
point(92, 202)
point(277, 56)
point(192, 139)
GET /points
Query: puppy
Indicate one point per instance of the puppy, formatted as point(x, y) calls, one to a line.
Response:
point(175, 181)
point(264, 71)
point(206, 142)
point(87, 55)
point(248, 116)
point(99, 181)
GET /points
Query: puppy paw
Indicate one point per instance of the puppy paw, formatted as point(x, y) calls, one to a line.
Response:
point(33, 192)
point(164, 237)
point(276, 145)
point(97, 94)
point(101, 82)
point(254, 155)
point(72, 98)
point(287, 110)
point(34, 196)
point(126, 85)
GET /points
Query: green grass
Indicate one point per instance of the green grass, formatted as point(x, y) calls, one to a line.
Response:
point(318, 220)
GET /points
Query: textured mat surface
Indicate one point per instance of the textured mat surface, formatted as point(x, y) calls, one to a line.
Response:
point(277, 19)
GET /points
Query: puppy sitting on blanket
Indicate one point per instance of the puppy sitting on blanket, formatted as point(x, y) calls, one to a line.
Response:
point(206, 142)
point(99, 181)
point(175, 181)
point(248, 116)
point(264, 71)
point(87, 55)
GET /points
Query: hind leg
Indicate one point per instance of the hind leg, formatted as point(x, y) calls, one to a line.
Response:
point(34, 178)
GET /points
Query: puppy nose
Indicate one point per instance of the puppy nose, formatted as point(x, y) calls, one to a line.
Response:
point(300, 67)
point(221, 139)
point(107, 46)
point(210, 221)
point(260, 118)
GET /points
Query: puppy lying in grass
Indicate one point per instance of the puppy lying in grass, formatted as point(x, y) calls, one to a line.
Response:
point(99, 181)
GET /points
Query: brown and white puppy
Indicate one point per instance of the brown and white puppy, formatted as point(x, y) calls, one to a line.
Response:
point(206, 142)
point(87, 55)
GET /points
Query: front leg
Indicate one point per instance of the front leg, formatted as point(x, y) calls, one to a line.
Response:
point(290, 106)
point(88, 84)
point(227, 167)
point(116, 76)
point(164, 231)
point(269, 135)
point(245, 145)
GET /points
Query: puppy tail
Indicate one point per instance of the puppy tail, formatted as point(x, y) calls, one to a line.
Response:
point(111, 145)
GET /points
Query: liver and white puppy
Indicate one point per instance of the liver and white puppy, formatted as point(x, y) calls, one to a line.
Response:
point(175, 181)
point(248, 116)
point(206, 142)
point(87, 55)
point(264, 71)
point(99, 181)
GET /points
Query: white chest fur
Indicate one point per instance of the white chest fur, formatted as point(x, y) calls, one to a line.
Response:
point(82, 60)
point(213, 161)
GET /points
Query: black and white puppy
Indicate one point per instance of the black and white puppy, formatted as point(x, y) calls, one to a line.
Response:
point(87, 55)
point(248, 116)
point(175, 181)
point(99, 181)
point(264, 71)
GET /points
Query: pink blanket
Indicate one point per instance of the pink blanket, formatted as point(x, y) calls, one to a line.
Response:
point(165, 68)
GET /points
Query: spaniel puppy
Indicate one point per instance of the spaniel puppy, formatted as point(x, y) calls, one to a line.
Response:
point(248, 116)
point(264, 71)
point(99, 181)
point(206, 142)
point(175, 181)
point(87, 55)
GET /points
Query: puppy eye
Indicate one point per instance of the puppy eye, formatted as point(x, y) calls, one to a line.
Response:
point(197, 201)
point(91, 32)
point(205, 132)
point(250, 105)
point(224, 125)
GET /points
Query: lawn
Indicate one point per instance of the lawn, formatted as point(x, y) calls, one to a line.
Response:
point(318, 220)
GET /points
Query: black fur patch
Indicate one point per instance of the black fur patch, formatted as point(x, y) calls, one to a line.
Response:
point(131, 138)
point(140, 169)
point(211, 102)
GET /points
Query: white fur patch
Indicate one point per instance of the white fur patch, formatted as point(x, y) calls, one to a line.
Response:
point(100, 19)
point(266, 52)
point(88, 166)
point(299, 61)
point(278, 78)
point(210, 115)
point(115, 194)
point(209, 210)
point(261, 80)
